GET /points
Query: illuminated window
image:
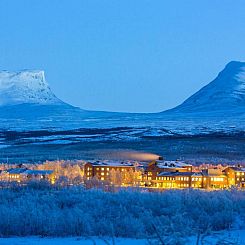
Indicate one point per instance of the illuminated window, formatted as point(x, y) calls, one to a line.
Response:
point(102, 178)
point(242, 173)
point(107, 169)
point(102, 174)
point(237, 173)
point(237, 179)
point(102, 169)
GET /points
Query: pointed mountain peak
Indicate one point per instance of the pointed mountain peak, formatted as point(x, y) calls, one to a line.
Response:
point(225, 93)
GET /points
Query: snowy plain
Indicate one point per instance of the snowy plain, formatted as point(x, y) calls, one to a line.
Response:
point(233, 237)
point(69, 241)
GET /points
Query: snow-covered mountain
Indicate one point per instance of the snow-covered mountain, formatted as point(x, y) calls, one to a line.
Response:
point(25, 87)
point(31, 113)
point(28, 103)
point(225, 93)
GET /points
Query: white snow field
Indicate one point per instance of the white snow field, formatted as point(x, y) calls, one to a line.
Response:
point(236, 237)
point(70, 241)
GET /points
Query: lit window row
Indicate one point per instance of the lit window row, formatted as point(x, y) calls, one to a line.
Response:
point(165, 178)
point(183, 185)
point(14, 176)
point(242, 179)
point(102, 169)
point(182, 178)
point(217, 179)
point(198, 186)
point(196, 179)
point(239, 173)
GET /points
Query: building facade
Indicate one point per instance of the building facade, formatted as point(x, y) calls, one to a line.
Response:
point(112, 171)
point(236, 176)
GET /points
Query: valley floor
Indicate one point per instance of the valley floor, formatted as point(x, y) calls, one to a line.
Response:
point(199, 149)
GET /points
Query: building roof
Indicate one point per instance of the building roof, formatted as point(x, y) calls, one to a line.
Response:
point(16, 170)
point(176, 174)
point(38, 172)
point(237, 169)
point(205, 173)
point(29, 171)
point(112, 164)
point(167, 174)
point(172, 164)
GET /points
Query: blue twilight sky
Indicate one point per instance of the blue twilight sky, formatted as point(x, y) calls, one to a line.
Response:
point(128, 55)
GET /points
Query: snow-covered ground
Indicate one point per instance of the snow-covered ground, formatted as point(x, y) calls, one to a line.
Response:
point(236, 237)
point(70, 241)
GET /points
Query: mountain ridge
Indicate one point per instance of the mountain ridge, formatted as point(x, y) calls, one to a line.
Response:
point(48, 120)
point(222, 101)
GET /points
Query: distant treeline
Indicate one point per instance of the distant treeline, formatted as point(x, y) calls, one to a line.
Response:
point(44, 210)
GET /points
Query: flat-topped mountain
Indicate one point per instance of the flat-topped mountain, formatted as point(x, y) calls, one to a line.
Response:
point(25, 87)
